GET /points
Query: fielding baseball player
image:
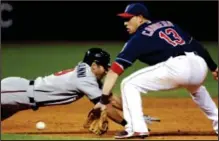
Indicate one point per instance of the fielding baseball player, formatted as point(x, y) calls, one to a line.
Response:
point(175, 59)
point(60, 88)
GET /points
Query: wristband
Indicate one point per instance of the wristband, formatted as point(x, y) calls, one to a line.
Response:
point(124, 122)
point(105, 99)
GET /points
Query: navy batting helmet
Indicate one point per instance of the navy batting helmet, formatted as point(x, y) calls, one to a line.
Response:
point(98, 56)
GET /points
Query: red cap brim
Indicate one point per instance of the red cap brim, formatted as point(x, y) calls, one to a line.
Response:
point(125, 15)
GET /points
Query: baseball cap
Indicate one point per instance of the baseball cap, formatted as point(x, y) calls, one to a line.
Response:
point(135, 9)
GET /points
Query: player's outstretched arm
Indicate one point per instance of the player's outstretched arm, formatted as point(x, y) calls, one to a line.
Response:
point(116, 102)
point(113, 114)
point(215, 74)
point(109, 82)
point(108, 85)
point(111, 109)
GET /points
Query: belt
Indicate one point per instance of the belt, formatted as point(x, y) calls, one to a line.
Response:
point(31, 82)
point(183, 53)
point(34, 106)
point(179, 54)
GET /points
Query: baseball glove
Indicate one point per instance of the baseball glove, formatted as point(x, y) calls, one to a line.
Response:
point(97, 122)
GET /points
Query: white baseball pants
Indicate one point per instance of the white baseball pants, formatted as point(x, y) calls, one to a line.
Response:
point(15, 93)
point(188, 71)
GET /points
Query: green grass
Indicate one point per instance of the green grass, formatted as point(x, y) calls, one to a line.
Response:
point(31, 61)
point(44, 137)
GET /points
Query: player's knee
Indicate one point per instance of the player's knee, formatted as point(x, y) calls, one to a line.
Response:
point(124, 83)
point(202, 89)
point(195, 90)
point(127, 84)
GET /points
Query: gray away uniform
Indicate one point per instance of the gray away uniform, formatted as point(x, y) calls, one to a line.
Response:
point(60, 88)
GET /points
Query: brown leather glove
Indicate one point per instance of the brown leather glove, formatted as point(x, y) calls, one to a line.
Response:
point(97, 122)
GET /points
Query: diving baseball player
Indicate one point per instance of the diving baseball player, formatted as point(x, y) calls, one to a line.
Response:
point(60, 88)
point(175, 59)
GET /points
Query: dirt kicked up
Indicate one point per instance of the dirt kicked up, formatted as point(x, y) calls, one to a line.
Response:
point(180, 119)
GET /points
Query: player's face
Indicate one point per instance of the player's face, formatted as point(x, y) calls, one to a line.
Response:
point(98, 70)
point(131, 24)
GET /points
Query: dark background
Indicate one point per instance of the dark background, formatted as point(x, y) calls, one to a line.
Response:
point(78, 21)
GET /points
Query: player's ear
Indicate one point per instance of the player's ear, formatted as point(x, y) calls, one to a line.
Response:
point(141, 18)
point(93, 65)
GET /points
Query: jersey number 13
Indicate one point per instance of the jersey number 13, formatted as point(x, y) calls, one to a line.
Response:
point(174, 42)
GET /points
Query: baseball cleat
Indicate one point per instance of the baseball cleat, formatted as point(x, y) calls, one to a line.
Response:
point(128, 135)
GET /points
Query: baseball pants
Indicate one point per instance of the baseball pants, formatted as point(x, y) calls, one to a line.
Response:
point(15, 96)
point(188, 71)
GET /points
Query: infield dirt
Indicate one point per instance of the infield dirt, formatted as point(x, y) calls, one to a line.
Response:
point(180, 119)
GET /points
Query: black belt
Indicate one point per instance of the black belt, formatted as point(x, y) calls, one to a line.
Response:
point(35, 106)
point(179, 54)
point(31, 82)
point(183, 53)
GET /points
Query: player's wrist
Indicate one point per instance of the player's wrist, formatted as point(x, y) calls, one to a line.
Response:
point(105, 99)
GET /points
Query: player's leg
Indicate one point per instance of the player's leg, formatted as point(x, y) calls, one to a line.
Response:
point(203, 99)
point(9, 108)
point(116, 102)
point(147, 79)
point(112, 113)
point(199, 93)
point(14, 96)
point(163, 76)
point(132, 111)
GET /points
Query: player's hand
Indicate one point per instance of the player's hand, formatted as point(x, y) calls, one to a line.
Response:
point(100, 106)
point(215, 74)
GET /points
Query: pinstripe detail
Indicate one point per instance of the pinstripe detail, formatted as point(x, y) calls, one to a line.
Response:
point(124, 95)
point(66, 94)
point(42, 103)
point(125, 99)
point(43, 91)
point(18, 91)
point(145, 71)
point(124, 60)
point(73, 91)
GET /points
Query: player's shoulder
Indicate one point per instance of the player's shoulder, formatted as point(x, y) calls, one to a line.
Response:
point(149, 28)
point(84, 76)
point(146, 31)
point(159, 23)
point(83, 71)
point(81, 65)
point(162, 22)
